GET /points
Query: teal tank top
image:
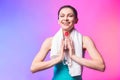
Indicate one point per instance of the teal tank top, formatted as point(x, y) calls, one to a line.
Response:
point(61, 72)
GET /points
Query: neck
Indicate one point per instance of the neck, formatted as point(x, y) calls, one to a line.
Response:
point(67, 30)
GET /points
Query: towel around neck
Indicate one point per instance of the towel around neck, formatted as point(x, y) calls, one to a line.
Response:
point(75, 69)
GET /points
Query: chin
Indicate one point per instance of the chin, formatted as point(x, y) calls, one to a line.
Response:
point(65, 28)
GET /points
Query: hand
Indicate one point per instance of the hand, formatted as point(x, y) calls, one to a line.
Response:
point(70, 47)
point(62, 54)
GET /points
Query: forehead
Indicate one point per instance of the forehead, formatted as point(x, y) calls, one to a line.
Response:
point(66, 11)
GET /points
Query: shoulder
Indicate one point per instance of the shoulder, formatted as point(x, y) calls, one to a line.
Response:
point(48, 40)
point(47, 43)
point(87, 38)
point(87, 41)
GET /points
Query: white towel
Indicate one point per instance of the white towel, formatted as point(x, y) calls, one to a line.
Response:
point(75, 68)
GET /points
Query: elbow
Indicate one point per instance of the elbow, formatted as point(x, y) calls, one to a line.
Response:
point(102, 67)
point(32, 69)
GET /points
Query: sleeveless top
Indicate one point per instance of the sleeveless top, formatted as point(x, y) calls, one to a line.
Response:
point(61, 72)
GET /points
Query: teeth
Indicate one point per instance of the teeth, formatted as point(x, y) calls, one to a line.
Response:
point(66, 23)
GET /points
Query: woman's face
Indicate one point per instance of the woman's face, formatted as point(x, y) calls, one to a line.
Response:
point(67, 19)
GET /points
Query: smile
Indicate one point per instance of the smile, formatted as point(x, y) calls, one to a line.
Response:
point(66, 23)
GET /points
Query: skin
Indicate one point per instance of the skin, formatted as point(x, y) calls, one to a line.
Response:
point(67, 21)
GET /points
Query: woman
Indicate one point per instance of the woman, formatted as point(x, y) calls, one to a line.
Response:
point(67, 47)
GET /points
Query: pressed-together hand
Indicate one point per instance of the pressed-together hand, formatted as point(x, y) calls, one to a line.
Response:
point(62, 54)
point(70, 47)
point(69, 44)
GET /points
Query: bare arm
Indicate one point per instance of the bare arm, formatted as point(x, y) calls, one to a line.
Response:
point(39, 63)
point(96, 61)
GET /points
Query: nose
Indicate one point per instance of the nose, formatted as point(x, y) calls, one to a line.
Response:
point(66, 18)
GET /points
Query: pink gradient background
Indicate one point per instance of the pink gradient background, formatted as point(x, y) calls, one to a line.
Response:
point(25, 24)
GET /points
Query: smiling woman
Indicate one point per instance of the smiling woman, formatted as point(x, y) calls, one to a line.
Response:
point(67, 16)
point(67, 51)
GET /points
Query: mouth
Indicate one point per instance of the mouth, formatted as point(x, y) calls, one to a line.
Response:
point(66, 23)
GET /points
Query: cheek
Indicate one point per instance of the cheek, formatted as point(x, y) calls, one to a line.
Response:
point(72, 19)
point(59, 21)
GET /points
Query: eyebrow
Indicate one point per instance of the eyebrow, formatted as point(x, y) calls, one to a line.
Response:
point(68, 13)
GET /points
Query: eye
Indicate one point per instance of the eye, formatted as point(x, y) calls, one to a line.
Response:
point(61, 15)
point(71, 15)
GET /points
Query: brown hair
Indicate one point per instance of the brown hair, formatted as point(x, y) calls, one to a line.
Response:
point(68, 6)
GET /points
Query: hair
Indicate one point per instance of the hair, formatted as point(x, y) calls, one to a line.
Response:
point(69, 6)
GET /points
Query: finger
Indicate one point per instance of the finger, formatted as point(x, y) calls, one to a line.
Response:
point(71, 44)
point(69, 41)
